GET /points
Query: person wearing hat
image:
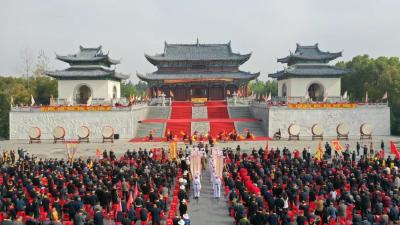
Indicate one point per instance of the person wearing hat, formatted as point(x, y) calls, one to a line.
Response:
point(196, 188)
point(217, 187)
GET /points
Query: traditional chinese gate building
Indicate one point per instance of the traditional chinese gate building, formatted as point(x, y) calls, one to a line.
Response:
point(188, 71)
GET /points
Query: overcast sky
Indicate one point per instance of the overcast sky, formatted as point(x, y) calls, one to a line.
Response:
point(130, 28)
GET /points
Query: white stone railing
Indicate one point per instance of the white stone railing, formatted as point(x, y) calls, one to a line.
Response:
point(112, 108)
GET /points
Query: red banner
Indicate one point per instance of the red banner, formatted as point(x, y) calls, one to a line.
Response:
point(336, 145)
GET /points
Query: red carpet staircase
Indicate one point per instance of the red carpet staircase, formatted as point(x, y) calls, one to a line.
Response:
point(180, 110)
point(219, 110)
point(179, 118)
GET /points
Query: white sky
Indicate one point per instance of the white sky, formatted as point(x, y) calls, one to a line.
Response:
point(129, 28)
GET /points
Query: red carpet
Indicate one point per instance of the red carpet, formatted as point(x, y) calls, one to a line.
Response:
point(177, 127)
point(216, 103)
point(135, 140)
point(179, 112)
point(217, 127)
point(217, 112)
point(174, 103)
point(201, 120)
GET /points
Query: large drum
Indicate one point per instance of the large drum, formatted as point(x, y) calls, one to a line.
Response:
point(317, 129)
point(59, 132)
point(34, 132)
point(342, 129)
point(107, 132)
point(83, 132)
point(294, 129)
point(366, 129)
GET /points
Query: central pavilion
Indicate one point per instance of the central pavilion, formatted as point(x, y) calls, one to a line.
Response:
point(186, 71)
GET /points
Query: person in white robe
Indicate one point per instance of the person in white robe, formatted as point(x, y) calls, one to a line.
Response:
point(217, 187)
point(196, 187)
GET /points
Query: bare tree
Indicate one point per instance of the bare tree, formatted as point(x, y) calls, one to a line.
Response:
point(27, 60)
point(42, 64)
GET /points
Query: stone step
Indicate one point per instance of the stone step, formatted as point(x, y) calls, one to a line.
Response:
point(199, 112)
point(158, 112)
point(201, 127)
point(144, 129)
point(239, 112)
point(254, 127)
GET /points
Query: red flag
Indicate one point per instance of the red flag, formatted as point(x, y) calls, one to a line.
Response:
point(135, 192)
point(130, 200)
point(336, 145)
point(266, 151)
point(394, 150)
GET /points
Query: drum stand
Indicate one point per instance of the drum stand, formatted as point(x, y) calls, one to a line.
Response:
point(34, 140)
point(366, 136)
point(342, 136)
point(294, 137)
point(58, 139)
point(83, 139)
point(108, 139)
point(317, 137)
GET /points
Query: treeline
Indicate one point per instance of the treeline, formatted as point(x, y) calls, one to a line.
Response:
point(261, 89)
point(375, 76)
point(20, 91)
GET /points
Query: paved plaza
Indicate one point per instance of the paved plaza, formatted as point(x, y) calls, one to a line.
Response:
point(49, 150)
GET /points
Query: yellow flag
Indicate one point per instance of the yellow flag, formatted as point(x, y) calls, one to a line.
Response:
point(172, 150)
point(319, 154)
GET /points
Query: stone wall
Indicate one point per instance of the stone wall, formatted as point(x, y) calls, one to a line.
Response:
point(124, 122)
point(260, 111)
point(275, 118)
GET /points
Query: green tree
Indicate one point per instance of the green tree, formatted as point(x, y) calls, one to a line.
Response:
point(375, 76)
point(129, 88)
point(260, 88)
point(40, 88)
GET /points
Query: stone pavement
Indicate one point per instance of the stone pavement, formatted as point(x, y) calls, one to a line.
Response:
point(209, 211)
point(49, 150)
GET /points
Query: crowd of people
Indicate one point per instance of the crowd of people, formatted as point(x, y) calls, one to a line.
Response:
point(283, 187)
point(134, 188)
point(262, 187)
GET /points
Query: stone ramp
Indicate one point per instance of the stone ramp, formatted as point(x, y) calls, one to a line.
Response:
point(144, 129)
point(158, 112)
point(199, 112)
point(239, 112)
point(209, 211)
point(254, 127)
point(201, 127)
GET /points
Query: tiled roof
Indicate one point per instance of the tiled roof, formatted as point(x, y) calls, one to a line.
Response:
point(309, 70)
point(240, 75)
point(86, 73)
point(197, 52)
point(312, 53)
point(88, 55)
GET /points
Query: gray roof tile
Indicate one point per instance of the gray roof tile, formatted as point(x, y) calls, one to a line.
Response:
point(240, 75)
point(197, 52)
point(309, 70)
